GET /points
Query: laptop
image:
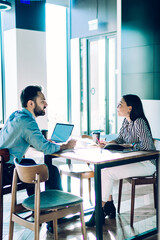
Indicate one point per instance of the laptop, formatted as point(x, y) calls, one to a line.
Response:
point(62, 132)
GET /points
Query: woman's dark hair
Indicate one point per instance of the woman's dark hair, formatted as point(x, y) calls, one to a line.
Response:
point(137, 108)
point(29, 93)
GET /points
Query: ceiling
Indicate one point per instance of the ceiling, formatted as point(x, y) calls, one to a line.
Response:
point(64, 3)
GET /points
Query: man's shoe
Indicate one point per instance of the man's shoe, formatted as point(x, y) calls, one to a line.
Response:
point(50, 224)
point(50, 227)
point(92, 221)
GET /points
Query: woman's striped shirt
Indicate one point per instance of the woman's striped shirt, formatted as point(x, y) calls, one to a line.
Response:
point(136, 133)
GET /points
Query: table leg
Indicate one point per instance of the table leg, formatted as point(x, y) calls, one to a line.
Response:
point(48, 183)
point(68, 161)
point(98, 202)
point(158, 194)
point(48, 162)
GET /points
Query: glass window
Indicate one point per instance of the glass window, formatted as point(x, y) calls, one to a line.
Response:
point(112, 86)
point(1, 100)
point(98, 85)
point(84, 107)
point(56, 64)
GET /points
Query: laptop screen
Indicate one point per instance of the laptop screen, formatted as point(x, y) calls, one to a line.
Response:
point(61, 132)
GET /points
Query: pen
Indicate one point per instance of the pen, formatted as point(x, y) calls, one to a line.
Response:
point(99, 143)
point(98, 140)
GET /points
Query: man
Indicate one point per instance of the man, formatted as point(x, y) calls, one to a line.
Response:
point(21, 130)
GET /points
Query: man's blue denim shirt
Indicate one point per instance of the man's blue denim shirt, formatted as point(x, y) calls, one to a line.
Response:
point(20, 131)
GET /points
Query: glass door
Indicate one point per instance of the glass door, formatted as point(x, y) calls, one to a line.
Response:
point(98, 85)
point(56, 35)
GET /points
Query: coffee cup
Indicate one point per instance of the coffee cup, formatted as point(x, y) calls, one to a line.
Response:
point(96, 137)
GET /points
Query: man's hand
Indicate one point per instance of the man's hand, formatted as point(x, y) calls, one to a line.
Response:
point(70, 144)
point(51, 141)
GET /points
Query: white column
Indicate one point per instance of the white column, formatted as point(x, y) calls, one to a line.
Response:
point(25, 64)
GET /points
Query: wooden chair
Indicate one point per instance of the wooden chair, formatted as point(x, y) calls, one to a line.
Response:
point(48, 205)
point(5, 189)
point(4, 157)
point(80, 171)
point(138, 181)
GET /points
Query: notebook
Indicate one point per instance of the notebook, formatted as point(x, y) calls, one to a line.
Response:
point(61, 132)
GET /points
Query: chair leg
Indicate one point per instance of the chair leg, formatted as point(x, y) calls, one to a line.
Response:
point(119, 195)
point(68, 184)
point(1, 216)
point(132, 203)
point(55, 227)
point(11, 227)
point(61, 174)
point(155, 195)
point(89, 187)
point(81, 187)
point(83, 223)
point(37, 228)
point(13, 204)
point(1, 202)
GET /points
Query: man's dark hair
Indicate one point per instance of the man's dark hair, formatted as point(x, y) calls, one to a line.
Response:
point(29, 93)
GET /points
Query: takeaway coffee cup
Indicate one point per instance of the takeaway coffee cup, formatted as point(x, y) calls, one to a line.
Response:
point(96, 137)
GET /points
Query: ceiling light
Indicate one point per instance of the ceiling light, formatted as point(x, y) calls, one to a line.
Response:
point(5, 5)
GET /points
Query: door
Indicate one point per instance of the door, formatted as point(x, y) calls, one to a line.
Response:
point(98, 85)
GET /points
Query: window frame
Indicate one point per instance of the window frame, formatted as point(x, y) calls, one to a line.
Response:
point(2, 74)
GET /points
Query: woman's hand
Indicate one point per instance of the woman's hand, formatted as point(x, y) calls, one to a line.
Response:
point(102, 143)
point(127, 145)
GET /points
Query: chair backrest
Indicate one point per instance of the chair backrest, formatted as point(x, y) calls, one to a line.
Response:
point(28, 173)
point(86, 136)
point(4, 153)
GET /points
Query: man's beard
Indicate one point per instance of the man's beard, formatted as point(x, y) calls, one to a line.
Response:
point(38, 111)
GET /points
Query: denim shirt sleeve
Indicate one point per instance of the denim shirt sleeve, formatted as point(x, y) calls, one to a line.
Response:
point(20, 131)
point(34, 137)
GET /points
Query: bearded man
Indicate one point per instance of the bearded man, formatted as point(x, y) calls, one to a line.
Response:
point(21, 130)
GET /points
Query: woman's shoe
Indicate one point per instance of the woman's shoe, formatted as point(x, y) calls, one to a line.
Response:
point(109, 209)
point(92, 221)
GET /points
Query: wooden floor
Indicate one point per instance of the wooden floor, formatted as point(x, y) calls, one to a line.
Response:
point(115, 229)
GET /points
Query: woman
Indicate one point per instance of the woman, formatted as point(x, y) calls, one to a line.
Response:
point(136, 132)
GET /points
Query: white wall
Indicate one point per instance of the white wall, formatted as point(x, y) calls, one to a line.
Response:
point(152, 112)
point(56, 51)
point(25, 64)
point(10, 71)
point(64, 3)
